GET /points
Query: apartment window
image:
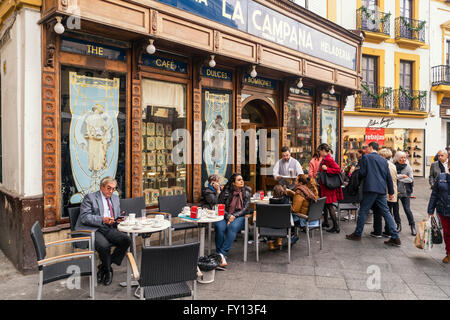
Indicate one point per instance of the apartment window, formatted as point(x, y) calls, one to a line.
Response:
point(448, 53)
point(370, 80)
point(406, 8)
point(370, 4)
point(406, 74)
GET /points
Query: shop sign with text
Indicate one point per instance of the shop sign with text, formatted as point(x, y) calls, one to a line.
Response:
point(375, 135)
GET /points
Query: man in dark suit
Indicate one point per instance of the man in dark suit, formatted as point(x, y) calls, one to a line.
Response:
point(375, 171)
point(100, 211)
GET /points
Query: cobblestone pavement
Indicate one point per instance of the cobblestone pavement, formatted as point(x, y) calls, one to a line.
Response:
point(339, 271)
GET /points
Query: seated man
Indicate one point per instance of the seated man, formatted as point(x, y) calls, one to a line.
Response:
point(100, 211)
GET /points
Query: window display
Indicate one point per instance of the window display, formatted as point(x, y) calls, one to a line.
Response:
point(409, 140)
point(164, 110)
point(329, 130)
point(299, 131)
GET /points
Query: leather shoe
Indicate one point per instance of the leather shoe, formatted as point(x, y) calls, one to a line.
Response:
point(446, 259)
point(393, 242)
point(333, 230)
point(353, 236)
point(100, 274)
point(399, 227)
point(108, 277)
point(413, 230)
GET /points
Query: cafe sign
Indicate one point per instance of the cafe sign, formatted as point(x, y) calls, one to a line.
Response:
point(258, 20)
point(92, 49)
point(214, 73)
point(164, 63)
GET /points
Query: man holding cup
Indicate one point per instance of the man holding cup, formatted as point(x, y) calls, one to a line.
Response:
point(100, 211)
point(286, 167)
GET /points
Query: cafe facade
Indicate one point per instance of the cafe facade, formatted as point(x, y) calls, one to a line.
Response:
point(128, 86)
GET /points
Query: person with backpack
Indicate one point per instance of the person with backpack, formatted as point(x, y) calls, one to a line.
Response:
point(329, 167)
point(375, 171)
point(440, 201)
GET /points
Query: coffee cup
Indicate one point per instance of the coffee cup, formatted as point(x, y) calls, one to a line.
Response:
point(221, 209)
point(159, 217)
point(132, 218)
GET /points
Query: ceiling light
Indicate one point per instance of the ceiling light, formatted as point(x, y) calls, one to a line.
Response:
point(212, 62)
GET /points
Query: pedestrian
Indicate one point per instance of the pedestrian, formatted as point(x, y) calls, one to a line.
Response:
point(440, 201)
point(236, 198)
point(440, 165)
point(210, 194)
point(329, 166)
point(349, 169)
point(314, 165)
point(377, 215)
point(405, 181)
point(375, 171)
point(279, 197)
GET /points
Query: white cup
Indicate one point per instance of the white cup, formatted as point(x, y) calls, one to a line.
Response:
point(159, 217)
point(132, 218)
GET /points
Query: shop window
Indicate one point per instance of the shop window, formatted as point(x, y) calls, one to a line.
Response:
point(329, 129)
point(163, 111)
point(448, 53)
point(300, 131)
point(1, 136)
point(93, 132)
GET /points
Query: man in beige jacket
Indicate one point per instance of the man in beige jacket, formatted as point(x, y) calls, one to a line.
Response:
point(377, 217)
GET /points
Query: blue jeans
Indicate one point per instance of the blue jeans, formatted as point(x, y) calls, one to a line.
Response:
point(369, 199)
point(225, 235)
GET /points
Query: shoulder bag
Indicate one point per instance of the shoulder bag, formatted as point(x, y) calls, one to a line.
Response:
point(330, 181)
point(436, 235)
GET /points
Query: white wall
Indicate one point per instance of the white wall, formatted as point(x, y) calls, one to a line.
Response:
point(318, 7)
point(21, 105)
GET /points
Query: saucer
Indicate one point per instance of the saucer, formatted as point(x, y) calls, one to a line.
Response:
point(137, 228)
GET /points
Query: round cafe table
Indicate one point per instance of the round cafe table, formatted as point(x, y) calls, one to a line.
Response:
point(201, 223)
point(132, 231)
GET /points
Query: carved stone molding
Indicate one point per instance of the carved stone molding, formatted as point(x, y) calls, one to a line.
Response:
point(154, 15)
point(136, 141)
point(216, 40)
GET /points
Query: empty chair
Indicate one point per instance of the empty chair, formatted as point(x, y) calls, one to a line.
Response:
point(166, 271)
point(63, 266)
point(172, 206)
point(315, 211)
point(132, 205)
point(349, 203)
point(273, 220)
point(74, 213)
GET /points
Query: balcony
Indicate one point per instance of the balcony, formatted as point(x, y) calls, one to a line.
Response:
point(411, 102)
point(409, 33)
point(374, 99)
point(376, 25)
point(441, 82)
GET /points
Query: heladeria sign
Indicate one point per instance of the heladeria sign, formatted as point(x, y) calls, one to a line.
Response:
point(260, 21)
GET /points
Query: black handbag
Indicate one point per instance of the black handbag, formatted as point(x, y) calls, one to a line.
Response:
point(436, 235)
point(330, 181)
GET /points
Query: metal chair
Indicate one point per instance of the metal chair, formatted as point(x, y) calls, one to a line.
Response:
point(349, 203)
point(171, 206)
point(74, 213)
point(63, 266)
point(273, 220)
point(166, 271)
point(314, 214)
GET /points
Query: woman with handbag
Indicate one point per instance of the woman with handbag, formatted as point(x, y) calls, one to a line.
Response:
point(405, 180)
point(440, 201)
point(330, 185)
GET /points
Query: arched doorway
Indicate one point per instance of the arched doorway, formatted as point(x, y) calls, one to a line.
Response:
point(257, 113)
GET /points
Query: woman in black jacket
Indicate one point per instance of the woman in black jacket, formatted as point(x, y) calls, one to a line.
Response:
point(236, 198)
point(210, 194)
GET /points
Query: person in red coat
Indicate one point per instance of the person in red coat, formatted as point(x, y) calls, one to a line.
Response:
point(333, 195)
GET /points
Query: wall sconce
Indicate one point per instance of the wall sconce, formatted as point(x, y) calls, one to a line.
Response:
point(332, 90)
point(151, 47)
point(212, 62)
point(355, 94)
point(253, 73)
point(300, 83)
point(59, 28)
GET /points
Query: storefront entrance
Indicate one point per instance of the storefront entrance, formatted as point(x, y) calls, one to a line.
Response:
point(258, 114)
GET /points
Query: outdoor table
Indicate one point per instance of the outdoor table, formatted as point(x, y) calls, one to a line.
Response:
point(266, 200)
point(209, 219)
point(133, 232)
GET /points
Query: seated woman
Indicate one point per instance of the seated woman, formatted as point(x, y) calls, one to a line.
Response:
point(279, 197)
point(236, 198)
point(305, 190)
point(210, 194)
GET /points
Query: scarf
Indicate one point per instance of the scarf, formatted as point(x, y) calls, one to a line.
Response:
point(236, 203)
point(441, 166)
point(210, 186)
point(400, 167)
point(305, 192)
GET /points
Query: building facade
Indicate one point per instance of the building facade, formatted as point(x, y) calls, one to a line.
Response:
point(125, 88)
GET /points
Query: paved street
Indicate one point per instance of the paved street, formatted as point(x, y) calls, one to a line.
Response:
point(339, 271)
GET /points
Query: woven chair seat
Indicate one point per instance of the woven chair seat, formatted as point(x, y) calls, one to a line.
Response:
point(167, 291)
point(59, 271)
point(271, 232)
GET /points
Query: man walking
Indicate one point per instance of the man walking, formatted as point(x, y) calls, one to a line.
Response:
point(375, 171)
point(438, 167)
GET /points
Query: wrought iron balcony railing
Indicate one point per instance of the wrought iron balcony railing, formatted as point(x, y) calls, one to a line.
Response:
point(374, 98)
point(410, 100)
point(410, 29)
point(441, 75)
point(372, 20)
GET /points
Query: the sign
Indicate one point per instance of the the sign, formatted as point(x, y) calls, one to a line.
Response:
point(254, 18)
point(92, 49)
point(302, 91)
point(164, 63)
point(260, 82)
point(217, 74)
point(383, 123)
point(375, 135)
